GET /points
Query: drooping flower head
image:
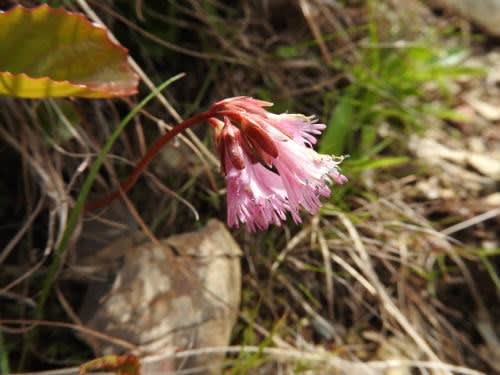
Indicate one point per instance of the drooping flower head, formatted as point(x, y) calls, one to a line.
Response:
point(269, 163)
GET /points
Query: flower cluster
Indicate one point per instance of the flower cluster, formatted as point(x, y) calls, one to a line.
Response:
point(269, 163)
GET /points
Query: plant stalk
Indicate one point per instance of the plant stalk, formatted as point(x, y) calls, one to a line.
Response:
point(146, 160)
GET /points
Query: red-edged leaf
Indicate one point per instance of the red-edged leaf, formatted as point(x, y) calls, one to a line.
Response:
point(127, 364)
point(46, 52)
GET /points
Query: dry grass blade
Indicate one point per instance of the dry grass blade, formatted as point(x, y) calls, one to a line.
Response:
point(364, 263)
point(325, 252)
point(26, 275)
point(472, 221)
point(291, 244)
point(265, 333)
point(26, 226)
point(313, 25)
point(49, 178)
point(347, 367)
point(324, 326)
point(30, 324)
point(207, 153)
point(165, 43)
point(354, 273)
point(334, 362)
point(382, 288)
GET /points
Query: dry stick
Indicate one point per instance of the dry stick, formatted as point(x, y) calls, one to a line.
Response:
point(472, 221)
point(363, 261)
point(292, 244)
point(146, 159)
point(348, 367)
point(306, 10)
point(28, 324)
point(149, 234)
point(23, 277)
point(68, 309)
point(19, 235)
point(327, 262)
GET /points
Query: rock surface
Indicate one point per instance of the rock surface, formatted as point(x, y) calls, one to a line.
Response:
point(486, 13)
point(181, 295)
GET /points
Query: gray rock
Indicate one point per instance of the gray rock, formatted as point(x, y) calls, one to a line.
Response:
point(181, 295)
point(485, 13)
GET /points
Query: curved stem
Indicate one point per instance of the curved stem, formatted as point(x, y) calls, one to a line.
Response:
point(146, 159)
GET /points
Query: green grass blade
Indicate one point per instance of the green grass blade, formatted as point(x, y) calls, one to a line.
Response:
point(82, 197)
point(4, 356)
point(491, 271)
point(339, 126)
point(384, 162)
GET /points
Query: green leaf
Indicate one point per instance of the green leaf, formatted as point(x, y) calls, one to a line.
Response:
point(339, 125)
point(50, 52)
point(490, 267)
point(365, 164)
point(4, 356)
point(287, 52)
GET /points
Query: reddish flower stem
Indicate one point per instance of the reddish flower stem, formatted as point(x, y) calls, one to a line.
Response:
point(146, 159)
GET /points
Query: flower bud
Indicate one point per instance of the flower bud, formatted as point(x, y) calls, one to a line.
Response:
point(231, 144)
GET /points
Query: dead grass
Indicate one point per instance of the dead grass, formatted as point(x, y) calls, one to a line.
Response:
point(398, 273)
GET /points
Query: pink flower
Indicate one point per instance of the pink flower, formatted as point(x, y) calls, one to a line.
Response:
point(269, 164)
